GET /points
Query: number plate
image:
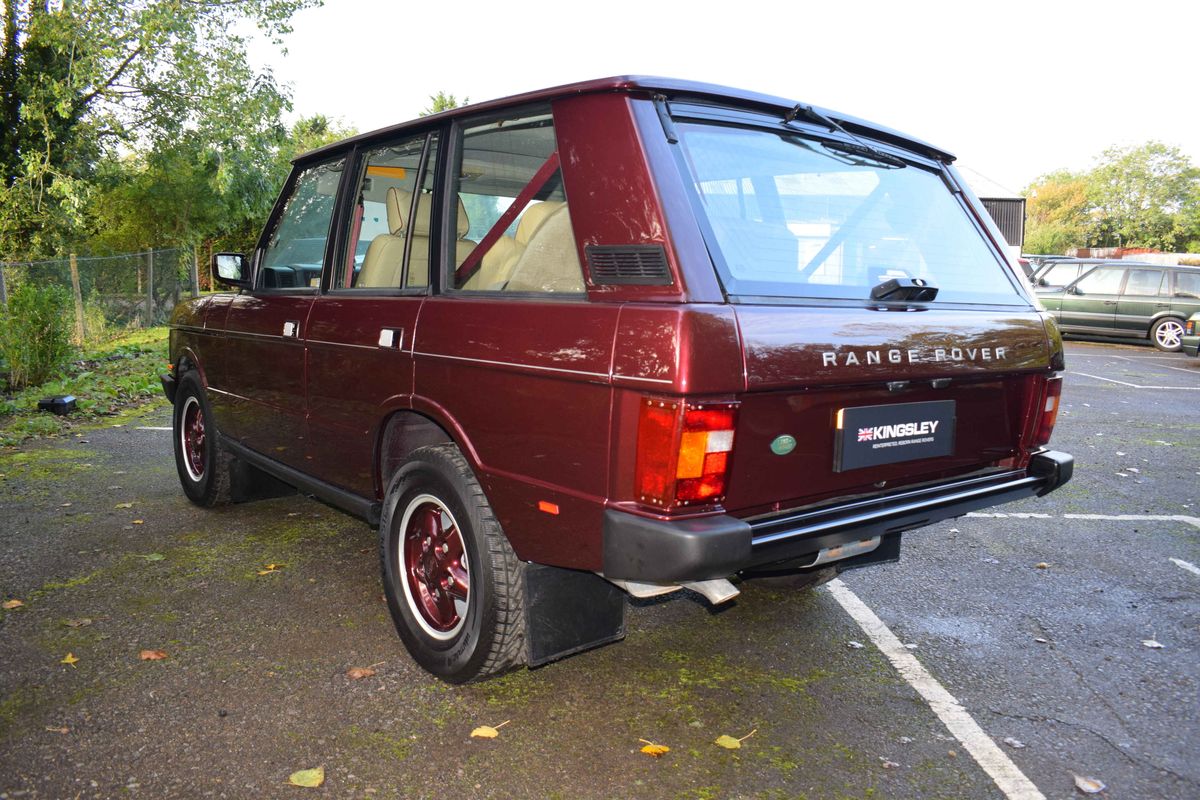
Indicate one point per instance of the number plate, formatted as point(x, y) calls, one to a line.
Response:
point(888, 434)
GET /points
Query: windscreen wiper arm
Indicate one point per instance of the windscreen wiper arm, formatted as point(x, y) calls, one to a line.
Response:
point(857, 147)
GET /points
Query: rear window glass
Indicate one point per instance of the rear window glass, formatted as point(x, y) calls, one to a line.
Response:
point(793, 218)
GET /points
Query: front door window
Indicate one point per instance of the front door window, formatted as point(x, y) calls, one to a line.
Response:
point(295, 247)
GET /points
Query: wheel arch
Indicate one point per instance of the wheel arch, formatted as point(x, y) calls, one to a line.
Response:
point(405, 430)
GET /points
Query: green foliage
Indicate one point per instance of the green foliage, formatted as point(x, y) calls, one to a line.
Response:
point(443, 101)
point(107, 379)
point(1146, 196)
point(85, 80)
point(35, 333)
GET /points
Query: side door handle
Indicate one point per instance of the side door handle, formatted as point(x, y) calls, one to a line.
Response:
point(1110, 302)
point(291, 329)
point(391, 338)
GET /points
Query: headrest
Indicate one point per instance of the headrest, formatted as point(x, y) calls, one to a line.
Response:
point(534, 217)
point(398, 204)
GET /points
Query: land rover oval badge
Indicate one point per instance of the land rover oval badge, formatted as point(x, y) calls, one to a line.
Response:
point(782, 445)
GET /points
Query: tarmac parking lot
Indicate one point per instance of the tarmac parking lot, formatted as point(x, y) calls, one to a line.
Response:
point(1038, 650)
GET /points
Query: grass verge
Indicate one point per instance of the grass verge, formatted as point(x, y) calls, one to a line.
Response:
point(107, 378)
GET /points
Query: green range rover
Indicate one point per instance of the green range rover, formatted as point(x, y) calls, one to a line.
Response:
point(1123, 299)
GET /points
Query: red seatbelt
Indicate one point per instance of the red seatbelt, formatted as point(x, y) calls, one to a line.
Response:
point(539, 179)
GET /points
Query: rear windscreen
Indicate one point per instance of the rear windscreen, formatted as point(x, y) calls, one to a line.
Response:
point(793, 217)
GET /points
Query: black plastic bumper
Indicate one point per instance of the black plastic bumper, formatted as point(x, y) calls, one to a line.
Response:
point(646, 549)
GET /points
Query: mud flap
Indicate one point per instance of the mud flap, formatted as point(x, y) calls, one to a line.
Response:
point(249, 483)
point(568, 611)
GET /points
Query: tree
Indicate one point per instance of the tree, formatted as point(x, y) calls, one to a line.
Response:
point(82, 78)
point(1056, 212)
point(1139, 193)
point(442, 102)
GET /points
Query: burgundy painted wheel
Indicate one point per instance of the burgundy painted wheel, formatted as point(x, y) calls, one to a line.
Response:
point(434, 567)
point(192, 438)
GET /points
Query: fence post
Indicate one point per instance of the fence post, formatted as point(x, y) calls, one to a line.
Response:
point(195, 271)
point(80, 324)
point(150, 289)
point(3, 289)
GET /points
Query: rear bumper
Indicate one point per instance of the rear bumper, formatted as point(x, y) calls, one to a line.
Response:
point(645, 549)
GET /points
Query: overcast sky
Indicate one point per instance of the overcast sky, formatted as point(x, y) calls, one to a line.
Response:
point(1014, 88)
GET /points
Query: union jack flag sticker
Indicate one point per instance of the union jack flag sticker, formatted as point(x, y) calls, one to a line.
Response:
point(866, 434)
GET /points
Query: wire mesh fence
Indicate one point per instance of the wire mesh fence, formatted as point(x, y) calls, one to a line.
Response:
point(112, 293)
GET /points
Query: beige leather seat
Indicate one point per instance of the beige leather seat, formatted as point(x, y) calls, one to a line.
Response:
point(499, 266)
point(549, 260)
point(382, 263)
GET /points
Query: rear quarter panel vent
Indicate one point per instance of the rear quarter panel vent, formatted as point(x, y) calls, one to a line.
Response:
point(628, 265)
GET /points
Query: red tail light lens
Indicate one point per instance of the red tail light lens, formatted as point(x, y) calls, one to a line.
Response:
point(1049, 410)
point(683, 452)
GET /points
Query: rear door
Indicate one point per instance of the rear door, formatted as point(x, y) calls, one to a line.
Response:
point(260, 400)
point(1147, 294)
point(1185, 296)
point(362, 327)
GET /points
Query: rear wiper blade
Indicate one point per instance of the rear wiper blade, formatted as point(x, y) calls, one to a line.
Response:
point(859, 147)
point(866, 151)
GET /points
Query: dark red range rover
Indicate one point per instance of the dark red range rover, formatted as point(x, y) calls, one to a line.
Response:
point(619, 336)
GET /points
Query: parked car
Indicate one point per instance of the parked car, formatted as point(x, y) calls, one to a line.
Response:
point(1190, 343)
point(622, 336)
point(1041, 264)
point(1127, 299)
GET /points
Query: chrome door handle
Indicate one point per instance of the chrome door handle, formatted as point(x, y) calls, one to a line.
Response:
point(291, 329)
point(391, 338)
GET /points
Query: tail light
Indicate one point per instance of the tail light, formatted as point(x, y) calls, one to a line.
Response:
point(683, 452)
point(1049, 410)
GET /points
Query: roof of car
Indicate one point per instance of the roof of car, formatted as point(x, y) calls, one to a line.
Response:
point(672, 88)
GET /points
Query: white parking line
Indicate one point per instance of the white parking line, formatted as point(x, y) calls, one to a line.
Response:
point(1179, 562)
point(1195, 521)
point(149, 428)
point(986, 752)
point(1142, 358)
point(1135, 385)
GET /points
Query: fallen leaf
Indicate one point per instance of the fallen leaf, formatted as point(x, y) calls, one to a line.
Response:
point(654, 750)
point(123, 505)
point(888, 764)
point(82, 622)
point(64, 505)
point(69, 658)
point(358, 673)
point(63, 729)
point(487, 731)
point(139, 521)
point(1089, 785)
point(1040, 640)
point(1015, 744)
point(1153, 645)
point(152, 655)
point(730, 743)
point(153, 557)
point(9, 605)
point(1042, 565)
point(854, 645)
point(269, 569)
point(308, 778)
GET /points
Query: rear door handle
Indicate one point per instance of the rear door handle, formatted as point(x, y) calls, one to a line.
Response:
point(291, 329)
point(1110, 302)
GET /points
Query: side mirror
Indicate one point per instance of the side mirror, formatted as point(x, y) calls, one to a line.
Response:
point(1073, 290)
point(231, 270)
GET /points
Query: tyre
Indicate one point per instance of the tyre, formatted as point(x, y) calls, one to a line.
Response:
point(204, 466)
point(1167, 334)
point(454, 587)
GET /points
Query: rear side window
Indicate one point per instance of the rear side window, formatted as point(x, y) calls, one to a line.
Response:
point(793, 217)
point(512, 222)
point(1187, 284)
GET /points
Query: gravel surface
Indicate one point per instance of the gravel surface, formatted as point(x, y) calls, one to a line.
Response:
point(254, 684)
